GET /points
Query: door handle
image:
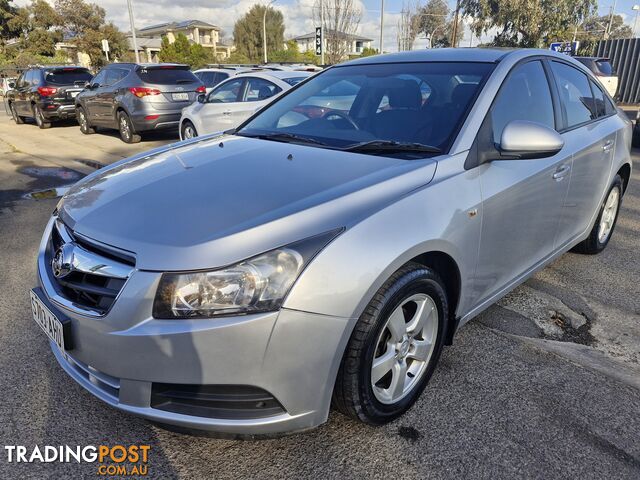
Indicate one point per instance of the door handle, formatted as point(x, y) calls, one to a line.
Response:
point(227, 112)
point(560, 173)
point(608, 145)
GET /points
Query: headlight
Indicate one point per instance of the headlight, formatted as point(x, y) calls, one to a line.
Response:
point(259, 284)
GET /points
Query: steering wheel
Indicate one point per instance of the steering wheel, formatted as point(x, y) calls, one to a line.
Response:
point(344, 116)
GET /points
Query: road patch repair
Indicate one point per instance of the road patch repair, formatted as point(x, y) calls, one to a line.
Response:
point(582, 330)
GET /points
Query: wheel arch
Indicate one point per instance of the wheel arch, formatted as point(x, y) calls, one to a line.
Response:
point(625, 174)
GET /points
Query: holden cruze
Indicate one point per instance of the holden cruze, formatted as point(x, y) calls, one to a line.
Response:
point(325, 251)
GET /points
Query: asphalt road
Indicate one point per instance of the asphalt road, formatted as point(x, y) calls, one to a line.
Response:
point(518, 395)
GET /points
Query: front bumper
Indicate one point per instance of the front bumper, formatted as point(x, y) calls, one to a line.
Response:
point(120, 357)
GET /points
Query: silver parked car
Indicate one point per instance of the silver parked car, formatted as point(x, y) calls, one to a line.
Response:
point(234, 100)
point(243, 282)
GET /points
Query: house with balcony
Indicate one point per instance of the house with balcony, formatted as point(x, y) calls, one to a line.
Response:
point(196, 31)
point(354, 43)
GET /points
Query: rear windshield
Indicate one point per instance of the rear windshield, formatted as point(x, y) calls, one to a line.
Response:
point(167, 76)
point(67, 77)
point(605, 67)
point(293, 80)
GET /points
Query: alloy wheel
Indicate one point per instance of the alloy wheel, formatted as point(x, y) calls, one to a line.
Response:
point(609, 214)
point(125, 130)
point(189, 131)
point(404, 348)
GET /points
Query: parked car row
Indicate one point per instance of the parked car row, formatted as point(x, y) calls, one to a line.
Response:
point(138, 98)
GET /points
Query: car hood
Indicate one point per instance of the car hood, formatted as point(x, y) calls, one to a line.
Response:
point(212, 202)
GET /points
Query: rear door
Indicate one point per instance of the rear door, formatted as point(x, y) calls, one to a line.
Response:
point(521, 199)
point(258, 93)
point(589, 131)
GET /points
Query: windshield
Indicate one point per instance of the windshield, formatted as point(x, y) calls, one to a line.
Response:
point(386, 104)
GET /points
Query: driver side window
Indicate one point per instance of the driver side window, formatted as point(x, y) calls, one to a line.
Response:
point(99, 79)
point(227, 93)
point(525, 95)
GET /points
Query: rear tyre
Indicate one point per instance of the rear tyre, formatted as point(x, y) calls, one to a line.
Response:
point(394, 347)
point(16, 118)
point(83, 121)
point(39, 117)
point(125, 127)
point(603, 229)
point(188, 130)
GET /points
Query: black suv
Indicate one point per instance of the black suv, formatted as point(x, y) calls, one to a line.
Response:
point(135, 98)
point(47, 94)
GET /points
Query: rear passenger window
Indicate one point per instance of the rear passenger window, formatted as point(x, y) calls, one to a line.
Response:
point(114, 75)
point(260, 89)
point(599, 99)
point(575, 94)
point(525, 95)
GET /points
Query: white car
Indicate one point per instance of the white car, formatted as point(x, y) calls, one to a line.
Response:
point(213, 76)
point(234, 100)
point(601, 67)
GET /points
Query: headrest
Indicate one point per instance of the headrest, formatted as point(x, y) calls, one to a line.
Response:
point(406, 94)
point(463, 93)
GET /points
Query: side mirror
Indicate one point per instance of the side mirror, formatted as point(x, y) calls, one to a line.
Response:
point(522, 139)
point(202, 98)
point(11, 84)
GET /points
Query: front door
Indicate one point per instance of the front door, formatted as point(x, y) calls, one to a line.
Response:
point(521, 199)
point(217, 112)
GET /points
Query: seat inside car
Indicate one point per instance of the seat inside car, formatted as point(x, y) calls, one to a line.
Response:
point(400, 120)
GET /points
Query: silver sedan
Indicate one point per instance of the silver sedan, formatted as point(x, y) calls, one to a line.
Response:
point(324, 252)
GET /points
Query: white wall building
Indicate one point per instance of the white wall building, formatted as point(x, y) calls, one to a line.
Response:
point(355, 43)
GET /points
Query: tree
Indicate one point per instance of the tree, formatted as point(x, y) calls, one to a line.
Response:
point(523, 23)
point(369, 52)
point(341, 21)
point(435, 22)
point(247, 32)
point(181, 51)
point(90, 42)
point(7, 12)
point(595, 28)
point(39, 27)
point(79, 16)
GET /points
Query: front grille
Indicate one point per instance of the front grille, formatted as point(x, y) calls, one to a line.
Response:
point(97, 275)
point(232, 402)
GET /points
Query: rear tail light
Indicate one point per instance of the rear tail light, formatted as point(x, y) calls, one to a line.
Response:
point(47, 91)
point(201, 89)
point(144, 91)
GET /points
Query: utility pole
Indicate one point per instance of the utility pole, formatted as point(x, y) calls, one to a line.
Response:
point(381, 25)
point(613, 9)
point(635, 8)
point(133, 31)
point(454, 30)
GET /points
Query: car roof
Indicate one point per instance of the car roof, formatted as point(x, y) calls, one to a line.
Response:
point(279, 74)
point(463, 54)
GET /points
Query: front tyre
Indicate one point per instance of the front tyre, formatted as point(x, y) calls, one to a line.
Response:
point(125, 127)
point(188, 130)
point(16, 118)
point(603, 229)
point(394, 347)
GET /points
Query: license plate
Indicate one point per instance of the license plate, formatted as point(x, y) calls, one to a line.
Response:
point(181, 97)
point(48, 322)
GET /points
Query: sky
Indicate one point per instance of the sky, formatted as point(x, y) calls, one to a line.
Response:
point(297, 15)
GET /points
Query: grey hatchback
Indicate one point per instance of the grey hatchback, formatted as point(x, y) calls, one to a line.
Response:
point(134, 98)
point(325, 251)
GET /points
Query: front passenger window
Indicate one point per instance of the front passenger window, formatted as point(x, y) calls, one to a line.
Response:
point(524, 95)
point(227, 92)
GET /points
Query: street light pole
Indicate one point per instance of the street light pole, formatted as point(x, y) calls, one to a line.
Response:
point(264, 29)
point(322, 32)
point(613, 9)
point(133, 31)
point(636, 8)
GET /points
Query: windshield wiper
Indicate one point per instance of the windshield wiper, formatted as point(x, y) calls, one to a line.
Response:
point(391, 146)
point(284, 137)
